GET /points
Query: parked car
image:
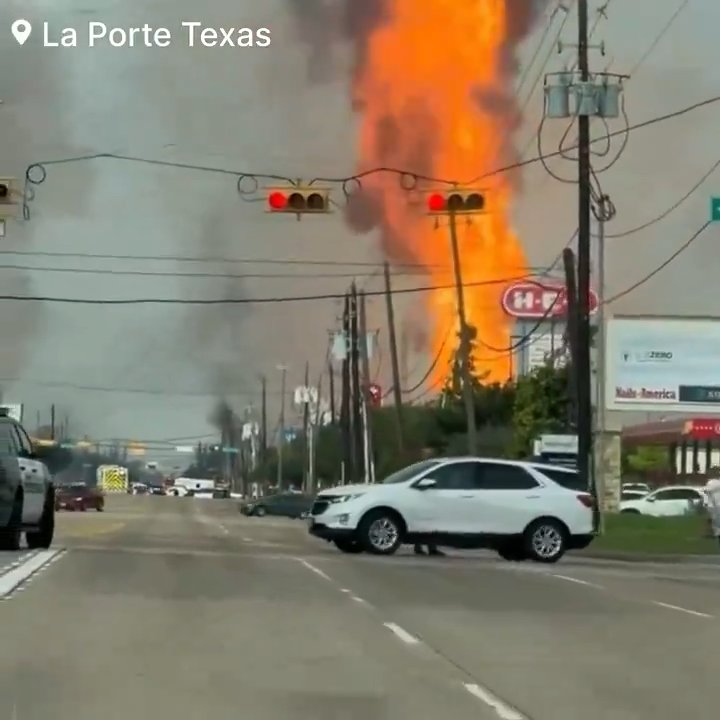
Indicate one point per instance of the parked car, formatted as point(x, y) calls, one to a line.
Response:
point(639, 487)
point(669, 501)
point(626, 495)
point(292, 505)
point(27, 492)
point(520, 509)
point(80, 498)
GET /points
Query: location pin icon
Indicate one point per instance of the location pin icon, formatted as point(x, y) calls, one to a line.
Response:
point(21, 30)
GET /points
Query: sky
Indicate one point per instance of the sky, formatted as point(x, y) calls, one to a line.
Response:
point(255, 111)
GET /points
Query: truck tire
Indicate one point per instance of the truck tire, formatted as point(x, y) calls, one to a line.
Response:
point(11, 534)
point(43, 537)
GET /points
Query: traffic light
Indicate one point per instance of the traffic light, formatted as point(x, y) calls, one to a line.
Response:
point(468, 201)
point(298, 200)
point(8, 197)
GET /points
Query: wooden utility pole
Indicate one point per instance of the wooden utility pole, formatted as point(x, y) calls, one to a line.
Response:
point(583, 369)
point(365, 367)
point(466, 374)
point(397, 387)
point(52, 421)
point(356, 414)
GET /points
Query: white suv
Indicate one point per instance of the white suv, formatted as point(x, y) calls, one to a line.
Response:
point(520, 509)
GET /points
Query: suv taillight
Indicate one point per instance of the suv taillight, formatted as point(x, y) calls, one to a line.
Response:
point(586, 500)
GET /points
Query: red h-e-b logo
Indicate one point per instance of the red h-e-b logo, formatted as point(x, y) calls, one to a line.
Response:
point(533, 300)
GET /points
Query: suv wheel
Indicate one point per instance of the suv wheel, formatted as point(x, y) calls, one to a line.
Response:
point(260, 511)
point(44, 536)
point(10, 536)
point(381, 532)
point(545, 541)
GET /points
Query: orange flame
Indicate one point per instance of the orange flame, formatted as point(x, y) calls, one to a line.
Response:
point(435, 94)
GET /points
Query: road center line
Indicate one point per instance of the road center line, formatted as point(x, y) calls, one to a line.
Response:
point(681, 609)
point(13, 578)
point(503, 710)
point(314, 569)
point(577, 581)
point(359, 600)
point(403, 634)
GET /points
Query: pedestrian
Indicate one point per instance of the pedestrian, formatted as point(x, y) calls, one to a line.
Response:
point(432, 549)
point(712, 489)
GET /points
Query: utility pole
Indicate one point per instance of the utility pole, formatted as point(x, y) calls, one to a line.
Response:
point(348, 456)
point(603, 213)
point(331, 390)
point(52, 421)
point(468, 395)
point(367, 424)
point(263, 418)
point(281, 428)
point(571, 334)
point(397, 388)
point(306, 428)
point(356, 414)
point(583, 368)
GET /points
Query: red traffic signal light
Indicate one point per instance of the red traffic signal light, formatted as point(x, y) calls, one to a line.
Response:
point(456, 201)
point(299, 200)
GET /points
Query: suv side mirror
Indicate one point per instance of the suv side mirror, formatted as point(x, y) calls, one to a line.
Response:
point(425, 484)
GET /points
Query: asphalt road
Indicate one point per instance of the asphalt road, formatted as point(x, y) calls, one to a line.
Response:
point(174, 607)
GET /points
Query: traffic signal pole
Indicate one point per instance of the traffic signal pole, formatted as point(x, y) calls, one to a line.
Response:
point(468, 396)
point(583, 368)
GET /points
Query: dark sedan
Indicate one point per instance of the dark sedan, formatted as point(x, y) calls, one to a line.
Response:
point(292, 505)
point(79, 497)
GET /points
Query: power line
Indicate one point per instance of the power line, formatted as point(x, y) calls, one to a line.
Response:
point(36, 173)
point(216, 259)
point(660, 267)
point(133, 391)
point(247, 301)
point(663, 31)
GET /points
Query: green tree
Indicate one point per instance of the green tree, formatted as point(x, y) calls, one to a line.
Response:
point(541, 406)
point(647, 458)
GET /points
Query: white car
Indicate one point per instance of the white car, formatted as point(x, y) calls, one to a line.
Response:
point(27, 494)
point(669, 501)
point(520, 509)
point(636, 487)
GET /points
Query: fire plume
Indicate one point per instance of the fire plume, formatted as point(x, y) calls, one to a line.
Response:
point(434, 92)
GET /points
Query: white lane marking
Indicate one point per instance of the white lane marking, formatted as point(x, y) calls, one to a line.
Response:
point(359, 600)
point(402, 633)
point(345, 590)
point(567, 578)
point(224, 529)
point(13, 578)
point(247, 539)
point(314, 569)
point(503, 710)
point(681, 609)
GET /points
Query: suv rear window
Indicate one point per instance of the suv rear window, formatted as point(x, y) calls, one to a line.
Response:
point(568, 479)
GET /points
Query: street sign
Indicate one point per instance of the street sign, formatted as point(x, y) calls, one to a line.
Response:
point(533, 300)
point(231, 450)
point(715, 209)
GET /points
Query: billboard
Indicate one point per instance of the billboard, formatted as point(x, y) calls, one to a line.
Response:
point(663, 364)
point(534, 300)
